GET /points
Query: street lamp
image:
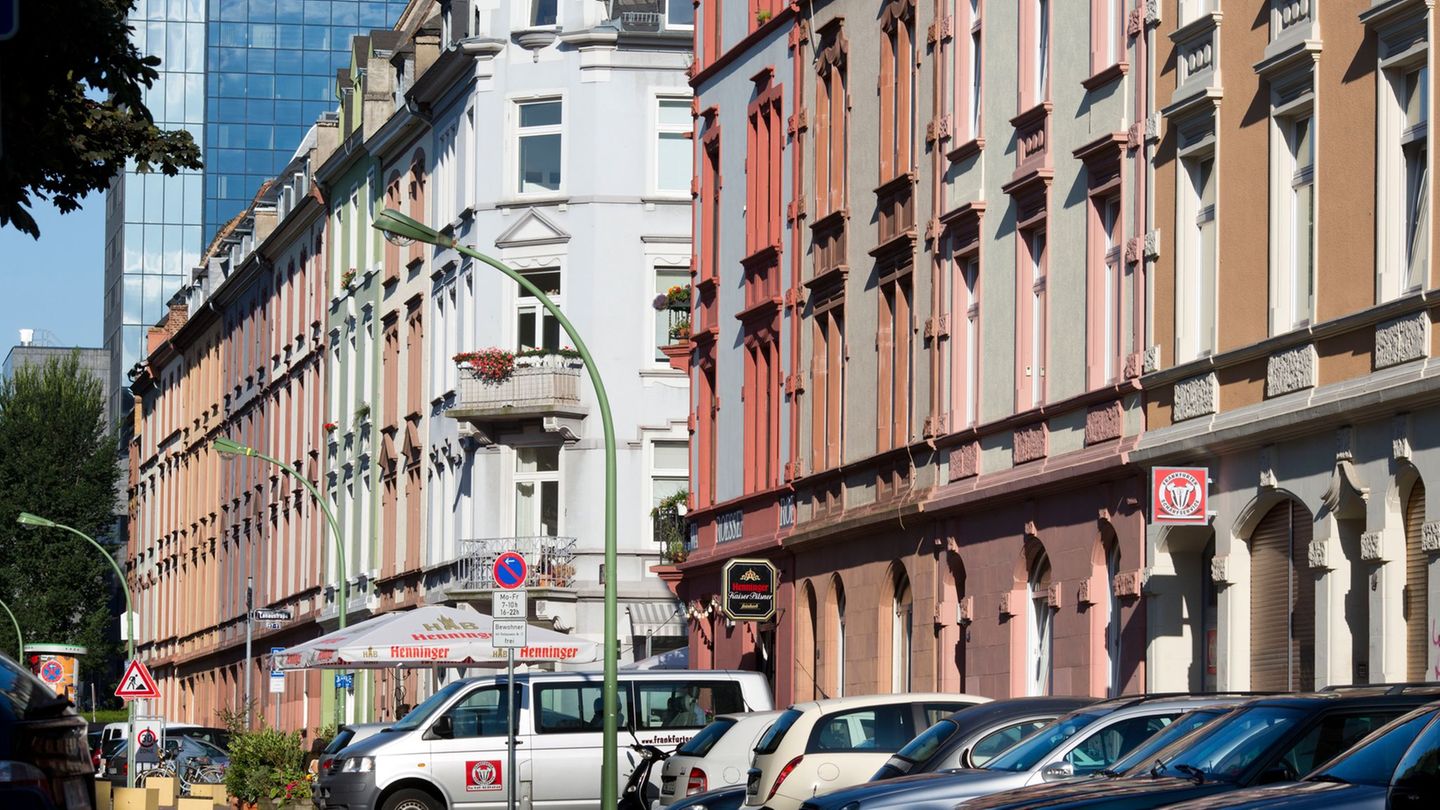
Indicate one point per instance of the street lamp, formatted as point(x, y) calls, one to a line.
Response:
point(19, 639)
point(229, 447)
point(35, 521)
point(397, 228)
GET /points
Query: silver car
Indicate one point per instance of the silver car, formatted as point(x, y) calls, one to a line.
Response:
point(1080, 744)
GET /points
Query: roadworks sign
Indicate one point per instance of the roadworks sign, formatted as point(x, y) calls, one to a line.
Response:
point(137, 683)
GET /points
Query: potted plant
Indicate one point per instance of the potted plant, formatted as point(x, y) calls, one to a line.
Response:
point(670, 530)
point(492, 365)
point(347, 277)
point(563, 357)
point(762, 16)
point(362, 413)
point(680, 331)
point(267, 769)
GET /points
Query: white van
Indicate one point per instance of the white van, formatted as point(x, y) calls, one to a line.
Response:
point(449, 752)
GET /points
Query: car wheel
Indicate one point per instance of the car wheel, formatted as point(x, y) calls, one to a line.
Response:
point(411, 799)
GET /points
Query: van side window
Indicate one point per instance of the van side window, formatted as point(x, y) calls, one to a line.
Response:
point(678, 704)
point(480, 714)
point(876, 729)
point(570, 708)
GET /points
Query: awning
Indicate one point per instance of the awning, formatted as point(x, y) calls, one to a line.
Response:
point(656, 618)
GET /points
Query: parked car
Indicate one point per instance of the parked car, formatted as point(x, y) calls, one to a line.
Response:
point(1264, 741)
point(450, 749)
point(345, 736)
point(974, 735)
point(731, 797)
point(185, 749)
point(1396, 767)
point(1077, 745)
point(717, 757)
point(45, 761)
point(824, 745)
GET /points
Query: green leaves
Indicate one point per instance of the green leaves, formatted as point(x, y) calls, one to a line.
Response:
point(72, 111)
point(58, 461)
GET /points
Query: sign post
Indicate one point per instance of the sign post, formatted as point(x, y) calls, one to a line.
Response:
point(750, 587)
point(511, 571)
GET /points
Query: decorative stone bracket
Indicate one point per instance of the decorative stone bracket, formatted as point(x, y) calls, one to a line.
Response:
point(1318, 554)
point(1083, 593)
point(1372, 547)
point(965, 610)
point(1290, 370)
point(1401, 340)
point(1196, 396)
point(964, 461)
point(1220, 569)
point(1430, 536)
point(1127, 584)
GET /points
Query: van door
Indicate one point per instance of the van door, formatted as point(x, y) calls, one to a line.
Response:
point(668, 713)
point(467, 748)
point(566, 750)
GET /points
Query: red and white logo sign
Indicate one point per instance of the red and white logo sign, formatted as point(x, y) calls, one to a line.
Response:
point(137, 683)
point(483, 775)
point(1178, 495)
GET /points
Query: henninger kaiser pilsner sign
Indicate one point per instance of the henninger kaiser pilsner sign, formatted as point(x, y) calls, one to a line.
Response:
point(750, 587)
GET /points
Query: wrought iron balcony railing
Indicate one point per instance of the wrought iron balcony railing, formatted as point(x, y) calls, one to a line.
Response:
point(551, 561)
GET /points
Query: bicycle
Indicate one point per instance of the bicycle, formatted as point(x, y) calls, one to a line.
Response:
point(196, 771)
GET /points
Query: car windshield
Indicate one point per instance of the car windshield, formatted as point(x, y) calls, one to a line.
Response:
point(700, 744)
point(1142, 758)
point(421, 713)
point(1373, 762)
point(200, 748)
point(1228, 747)
point(342, 738)
point(776, 732)
point(923, 747)
point(1031, 751)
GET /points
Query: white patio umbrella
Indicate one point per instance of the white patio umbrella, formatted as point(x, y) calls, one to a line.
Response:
point(431, 636)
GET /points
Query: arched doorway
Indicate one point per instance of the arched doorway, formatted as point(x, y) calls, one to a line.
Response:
point(1417, 588)
point(1282, 601)
point(1039, 628)
point(902, 634)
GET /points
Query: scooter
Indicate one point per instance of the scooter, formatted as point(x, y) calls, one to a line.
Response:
point(638, 793)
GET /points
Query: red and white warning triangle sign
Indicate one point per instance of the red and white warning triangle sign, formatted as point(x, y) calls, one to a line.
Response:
point(137, 683)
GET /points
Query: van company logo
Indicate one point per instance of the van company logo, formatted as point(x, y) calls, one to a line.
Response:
point(1178, 494)
point(483, 775)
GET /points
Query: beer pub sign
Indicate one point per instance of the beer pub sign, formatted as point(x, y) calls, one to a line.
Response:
point(750, 587)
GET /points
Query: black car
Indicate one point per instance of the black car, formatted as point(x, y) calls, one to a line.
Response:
point(44, 755)
point(730, 797)
point(1264, 741)
point(1397, 767)
point(974, 735)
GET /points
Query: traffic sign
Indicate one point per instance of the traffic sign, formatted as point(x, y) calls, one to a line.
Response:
point(146, 738)
point(9, 18)
point(509, 633)
point(271, 615)
point(137, 683)
point(510, 604)
point(51, 671)
point(511, 570)
point(277, 683)
point(344, 680)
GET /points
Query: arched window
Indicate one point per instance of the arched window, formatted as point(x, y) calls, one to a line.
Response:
point(1039, 627)
point(839, 644)
point(1112, 616)
point(902, 633)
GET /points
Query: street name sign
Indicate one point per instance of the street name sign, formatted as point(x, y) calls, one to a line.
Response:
point(510, 604)
point(511, 570)
point(271, 615)
point(137, 683)
point(344, 680)
point(509, 634)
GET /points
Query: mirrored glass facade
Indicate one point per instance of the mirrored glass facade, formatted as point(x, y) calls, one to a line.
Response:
point(247, 78)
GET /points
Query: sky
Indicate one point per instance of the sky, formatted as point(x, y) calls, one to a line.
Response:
point(55, 283)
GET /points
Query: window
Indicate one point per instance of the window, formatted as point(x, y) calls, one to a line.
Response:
point(1040, 72)
point(1112, 617)
point(673, 156)
point(827, 373)
point(992, 744)
point(1329, 738)
point(832, 122)
point(1293, 254)
point(714, 30)
point(1031, 390)
point(684, 704)
point(1414, 147)
point(537, 491)
point(763, 213)
point(1038, 626)
point(839, 644)
point(761, 394)
point(679, 15)
point(480, 714)
point(1107, 34)
point(535, 327)
point(1418, 774)
point(876, 729)
point(1196, 283)
point(902, 638)
point(570, 708)
point(1103, 748)
point(669, 469)
point(543, 12)
point(1402, 212)
point(897, 90)
point(710, 192)
point(895, 362)
point(672, 322)
point(963, 62)
point(1108, 292)
point(538, 150)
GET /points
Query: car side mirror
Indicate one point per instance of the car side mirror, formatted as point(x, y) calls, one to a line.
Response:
point(444, 728)
point(1057, 771)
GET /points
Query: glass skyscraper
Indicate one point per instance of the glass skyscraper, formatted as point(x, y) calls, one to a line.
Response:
point(247, 78)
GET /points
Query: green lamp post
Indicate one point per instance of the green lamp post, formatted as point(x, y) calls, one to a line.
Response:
point(19, 639)
point(229, 447)
point(35, 521)
point(397, 226)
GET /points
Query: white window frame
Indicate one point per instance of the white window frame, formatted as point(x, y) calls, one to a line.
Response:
point(1292, 286)
point(1039, 633)
point(971, 280)
point(659, 318)
point(665, 24)
point(514, 134)
point(1196, 284)
point(658, 130)
point(1191, 10)
point(1110, 224)
point(677, 435)
point(517, 478)
point(902, 641)
point(1041, 70)
point(522, 304)
point(840, 645)
point(1395, 275)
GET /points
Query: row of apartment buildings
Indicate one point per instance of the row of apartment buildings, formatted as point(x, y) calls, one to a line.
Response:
point(967, 269)
point(305, 335)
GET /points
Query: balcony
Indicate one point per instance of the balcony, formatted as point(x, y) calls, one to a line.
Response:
point(675, 17)
point(542, 391)
point(551, 559)
point(672, 531)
